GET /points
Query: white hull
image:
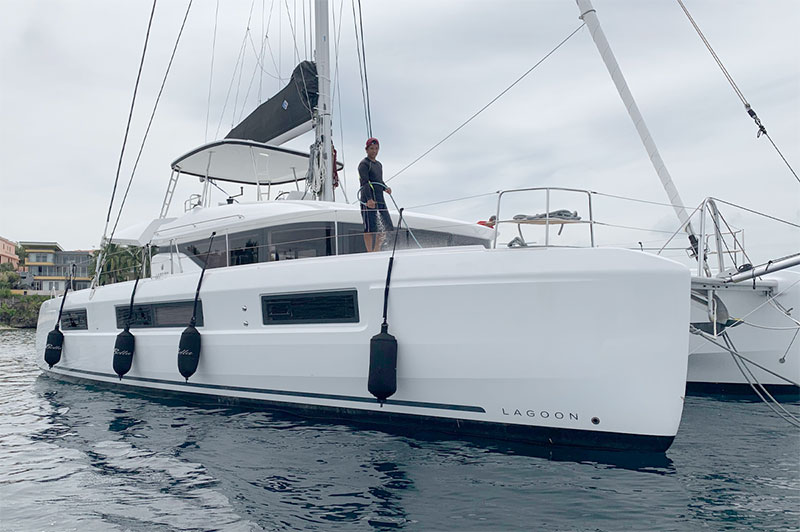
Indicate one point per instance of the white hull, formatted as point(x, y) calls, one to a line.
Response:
point(767, 338)
point(564, 346)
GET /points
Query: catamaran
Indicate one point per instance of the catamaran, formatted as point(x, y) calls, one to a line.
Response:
point(274, 302)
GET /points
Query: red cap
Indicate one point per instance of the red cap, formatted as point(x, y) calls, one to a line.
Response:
point(371, 141)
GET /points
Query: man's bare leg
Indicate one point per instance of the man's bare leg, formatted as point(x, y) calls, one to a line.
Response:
point(368, 241)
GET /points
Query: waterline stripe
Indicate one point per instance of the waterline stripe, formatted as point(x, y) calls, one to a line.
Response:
point(415, 404)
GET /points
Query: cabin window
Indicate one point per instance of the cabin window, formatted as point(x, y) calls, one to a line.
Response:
point(303, 240)
point(167, 314)
point(247, 247)
point(299, 241)
point(351, 239)
point(74, 319)
point(340, 306)
point(198, 250)
point(462, 240)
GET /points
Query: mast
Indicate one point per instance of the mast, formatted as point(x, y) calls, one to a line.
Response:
point(324, 128)
point(589, 16)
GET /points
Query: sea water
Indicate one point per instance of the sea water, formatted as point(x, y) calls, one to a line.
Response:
point(75, 457)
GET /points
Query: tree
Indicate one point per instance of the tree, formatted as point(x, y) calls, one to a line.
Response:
point(120, 263)
point(21, 253)
point(9, 279)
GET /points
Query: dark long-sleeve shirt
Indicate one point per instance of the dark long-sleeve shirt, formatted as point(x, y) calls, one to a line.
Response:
point(370, 175)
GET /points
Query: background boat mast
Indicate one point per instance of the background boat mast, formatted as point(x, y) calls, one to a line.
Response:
point(589, 16)
point(324, 128)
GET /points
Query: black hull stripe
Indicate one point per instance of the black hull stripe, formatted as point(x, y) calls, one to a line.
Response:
point(785, 391)
point(391, 421)
point(288, 393)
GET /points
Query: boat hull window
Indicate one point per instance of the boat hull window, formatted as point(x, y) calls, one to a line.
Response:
point(170, 314)
point(75, 319)
point(340, 306)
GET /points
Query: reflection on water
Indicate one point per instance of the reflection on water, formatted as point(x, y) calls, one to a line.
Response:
point(81, 458)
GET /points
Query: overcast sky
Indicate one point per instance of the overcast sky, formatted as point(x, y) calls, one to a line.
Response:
point(67, 72)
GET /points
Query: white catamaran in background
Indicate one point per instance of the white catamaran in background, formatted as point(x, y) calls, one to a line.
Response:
point(745, 338)
point(274, 302)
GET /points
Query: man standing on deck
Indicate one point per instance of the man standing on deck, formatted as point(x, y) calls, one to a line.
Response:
point(370, 172)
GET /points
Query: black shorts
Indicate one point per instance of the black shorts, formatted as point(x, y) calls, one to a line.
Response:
point(370, 217)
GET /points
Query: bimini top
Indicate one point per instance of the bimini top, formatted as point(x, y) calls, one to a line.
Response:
point(244, 161)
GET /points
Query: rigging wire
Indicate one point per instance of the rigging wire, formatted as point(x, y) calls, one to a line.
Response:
point(637, 200)
point(605, 224)
point(260, 55)
point(542, 60)
point(454, 200)
point(256, 68)
point(754, 383)
point(152, 116)
point(259, 59)
point(337, 91)
point(336, 43)
point(770, 300)
point(750, 111)
point(130, 117)
point(366, 79)
point(717, 200)
point(238, 67)
point(211, 74)
point(757, 212)
point(305, 42)
point(361, 71)
point(294, 35)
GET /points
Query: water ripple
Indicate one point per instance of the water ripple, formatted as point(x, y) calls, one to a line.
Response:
point(80, 458)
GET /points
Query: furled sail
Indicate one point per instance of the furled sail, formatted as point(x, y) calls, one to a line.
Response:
point(287, 114)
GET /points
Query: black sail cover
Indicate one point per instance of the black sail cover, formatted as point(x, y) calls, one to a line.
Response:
point(289, 109)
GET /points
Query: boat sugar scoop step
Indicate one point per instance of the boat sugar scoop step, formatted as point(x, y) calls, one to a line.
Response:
point(189, 345)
